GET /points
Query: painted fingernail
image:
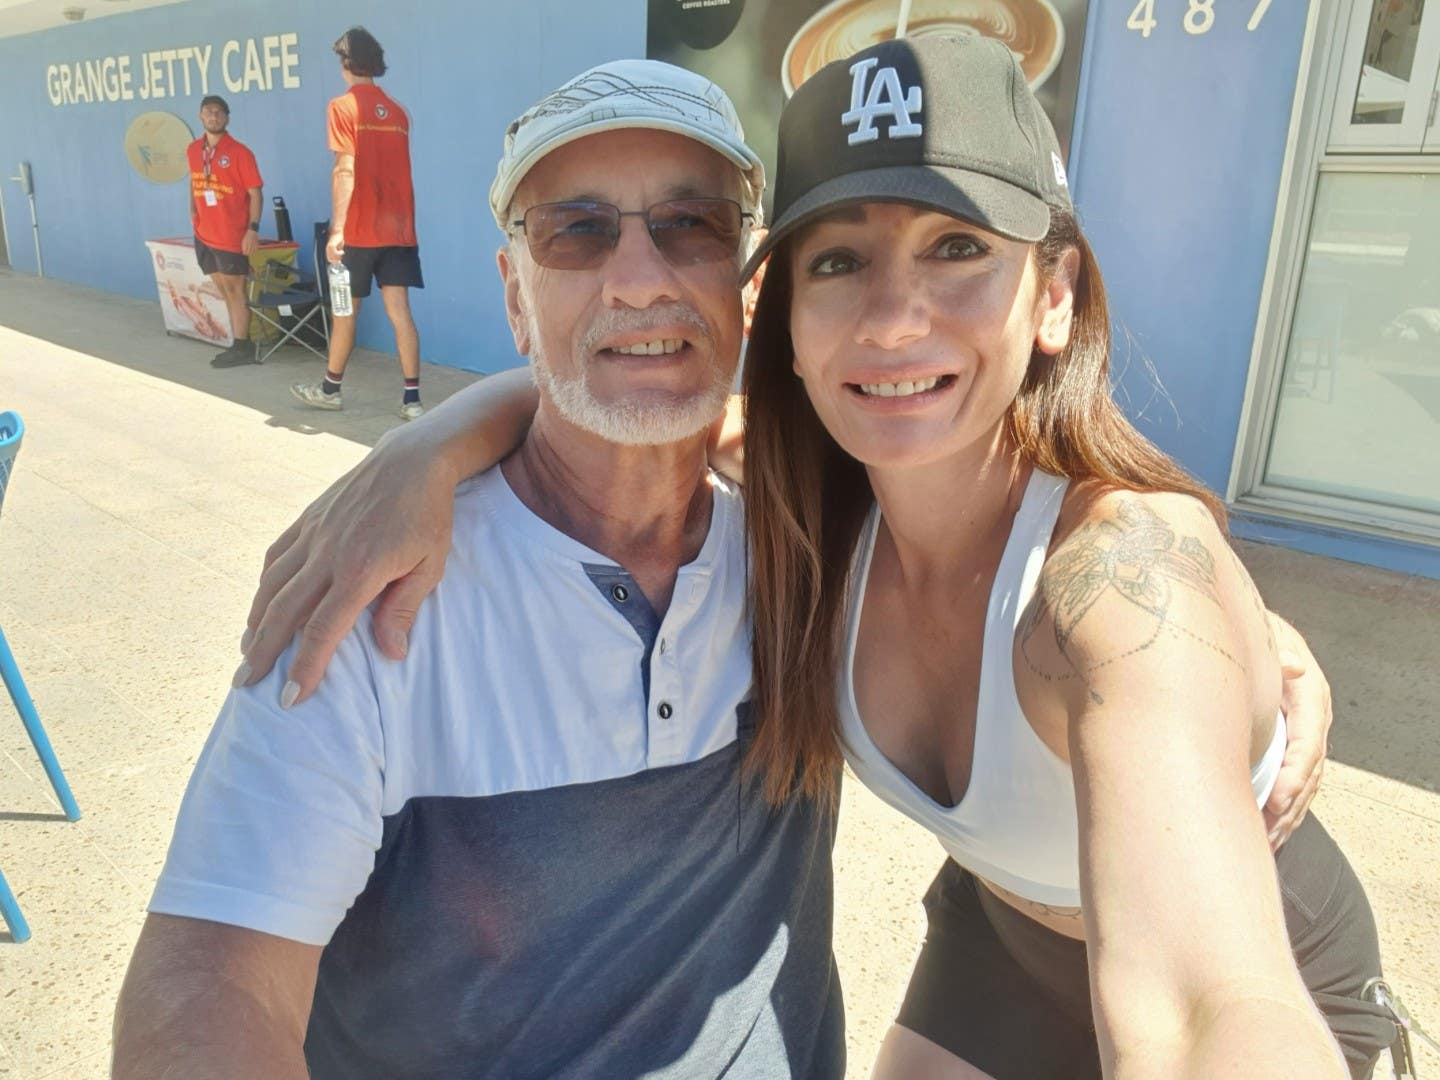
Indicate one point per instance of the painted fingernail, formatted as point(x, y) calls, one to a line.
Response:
point(242, 675)
point(247, 639)
point(289, 694)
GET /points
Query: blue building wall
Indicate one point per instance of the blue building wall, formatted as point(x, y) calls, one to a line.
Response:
point(1180, 145)
point(463, 70)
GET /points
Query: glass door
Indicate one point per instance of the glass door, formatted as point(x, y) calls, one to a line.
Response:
point(1346, 421)
point(1388, 78)
point(1358, 417)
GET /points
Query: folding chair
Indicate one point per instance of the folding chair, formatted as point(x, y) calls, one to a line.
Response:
point(295, 296)
point(12, 431)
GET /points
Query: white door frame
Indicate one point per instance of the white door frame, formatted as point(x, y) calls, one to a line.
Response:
point(1308, 155)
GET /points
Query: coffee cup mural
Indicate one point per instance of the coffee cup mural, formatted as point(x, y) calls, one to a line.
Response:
point(1032, 29)
point(760, 50)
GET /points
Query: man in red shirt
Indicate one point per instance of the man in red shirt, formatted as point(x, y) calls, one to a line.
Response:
point(225, 203)
point(372, 222)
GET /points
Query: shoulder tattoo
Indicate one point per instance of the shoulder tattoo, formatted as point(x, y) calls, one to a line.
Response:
point(1135, 555)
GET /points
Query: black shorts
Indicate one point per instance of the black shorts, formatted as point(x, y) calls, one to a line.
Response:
point(1012, 997)
point(387, 265)
point(215, 261)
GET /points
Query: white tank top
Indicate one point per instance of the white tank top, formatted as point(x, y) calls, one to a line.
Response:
point(1016, 825)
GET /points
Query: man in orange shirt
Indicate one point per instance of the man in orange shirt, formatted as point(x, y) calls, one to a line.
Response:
point(372, 223)
point(225, 203)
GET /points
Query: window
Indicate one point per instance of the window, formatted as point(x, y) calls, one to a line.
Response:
point(1359, 406)
point(1343, 418)
point(1388, 78)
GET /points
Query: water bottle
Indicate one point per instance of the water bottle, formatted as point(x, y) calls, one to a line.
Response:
point(282, 221)
point(340, 302)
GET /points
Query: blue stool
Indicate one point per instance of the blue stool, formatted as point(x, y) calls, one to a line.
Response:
point(12, 430)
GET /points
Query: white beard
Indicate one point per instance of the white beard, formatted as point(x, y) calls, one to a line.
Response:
point(631, 423)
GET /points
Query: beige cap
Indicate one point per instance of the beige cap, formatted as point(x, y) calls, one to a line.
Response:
point(626, 94)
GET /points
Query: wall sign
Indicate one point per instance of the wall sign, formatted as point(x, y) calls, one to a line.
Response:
point(155, 144)
point(1198, 17)
point(239, 66)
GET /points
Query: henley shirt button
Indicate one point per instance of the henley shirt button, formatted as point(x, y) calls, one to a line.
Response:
point(620, 593)
point(665, 711)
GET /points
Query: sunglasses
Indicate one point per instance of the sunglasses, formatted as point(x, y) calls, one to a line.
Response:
point(581, 235)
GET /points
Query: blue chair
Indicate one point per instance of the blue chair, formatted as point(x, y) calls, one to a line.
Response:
point(19, 928)
point(12, 431)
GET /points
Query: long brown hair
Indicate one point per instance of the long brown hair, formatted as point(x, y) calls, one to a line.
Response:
point(806, 501)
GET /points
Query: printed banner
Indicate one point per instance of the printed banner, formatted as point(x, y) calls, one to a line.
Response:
point(189, 301)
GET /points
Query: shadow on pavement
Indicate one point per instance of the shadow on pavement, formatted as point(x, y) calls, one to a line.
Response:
point(130, 332)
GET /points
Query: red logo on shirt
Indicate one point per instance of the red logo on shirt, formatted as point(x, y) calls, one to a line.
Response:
point(225, 161)
point(381, 111)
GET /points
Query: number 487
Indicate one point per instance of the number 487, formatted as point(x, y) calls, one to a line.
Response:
point(1198, 19)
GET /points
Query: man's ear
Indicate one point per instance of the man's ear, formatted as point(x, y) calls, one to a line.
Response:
point(1057, 303)
point(515, 312)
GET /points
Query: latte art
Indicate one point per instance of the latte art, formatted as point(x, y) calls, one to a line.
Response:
point(1030, 28)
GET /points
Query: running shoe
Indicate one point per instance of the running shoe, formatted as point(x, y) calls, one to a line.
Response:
point(314, 395)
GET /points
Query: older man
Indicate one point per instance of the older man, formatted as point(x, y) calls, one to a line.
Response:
point(529, 849)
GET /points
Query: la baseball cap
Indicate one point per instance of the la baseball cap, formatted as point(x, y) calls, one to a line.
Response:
point(944, 123)
point(625, 94)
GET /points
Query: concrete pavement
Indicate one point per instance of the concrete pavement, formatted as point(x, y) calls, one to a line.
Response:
point(147, 490)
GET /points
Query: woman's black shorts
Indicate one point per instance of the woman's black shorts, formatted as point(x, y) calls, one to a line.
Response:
point(1012, 997)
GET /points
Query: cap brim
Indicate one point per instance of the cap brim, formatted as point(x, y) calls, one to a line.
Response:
point(996, 205)
point(737, 153)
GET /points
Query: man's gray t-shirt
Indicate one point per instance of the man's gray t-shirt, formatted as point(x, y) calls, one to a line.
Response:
point(529, 849)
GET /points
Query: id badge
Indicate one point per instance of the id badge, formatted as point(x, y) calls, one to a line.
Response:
point(211, 199)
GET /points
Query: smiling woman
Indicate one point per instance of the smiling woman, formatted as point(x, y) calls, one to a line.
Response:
point(890, 275)
point(1016, 619)
point(1054, 405)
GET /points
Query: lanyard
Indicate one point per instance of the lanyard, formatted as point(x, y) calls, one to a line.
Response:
point(207, 153)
